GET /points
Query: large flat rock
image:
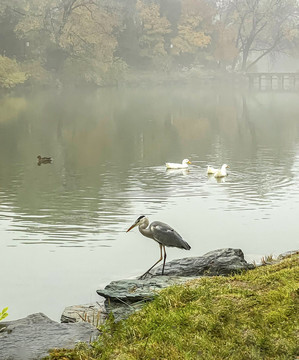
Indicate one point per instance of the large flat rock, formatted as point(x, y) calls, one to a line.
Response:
point(124, 297)
point(95, 314)
point(218, 262)
point(31, 337)
point(133, 290)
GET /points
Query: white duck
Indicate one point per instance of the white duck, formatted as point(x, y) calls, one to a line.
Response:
point(222, 172)
point(211, 170)
point(183, 165)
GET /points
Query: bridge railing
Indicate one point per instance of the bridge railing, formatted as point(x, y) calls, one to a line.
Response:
point(274, 81)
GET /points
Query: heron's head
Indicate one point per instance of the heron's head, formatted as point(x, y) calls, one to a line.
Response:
point(186, 161)
point(224, 166)
point(39, 157)
point(142, 219)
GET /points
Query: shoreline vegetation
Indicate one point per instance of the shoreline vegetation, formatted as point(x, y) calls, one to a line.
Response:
point(252, 315)
point(17, 80)
point(88, 43)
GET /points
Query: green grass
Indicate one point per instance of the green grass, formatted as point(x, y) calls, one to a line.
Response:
point(249, 316)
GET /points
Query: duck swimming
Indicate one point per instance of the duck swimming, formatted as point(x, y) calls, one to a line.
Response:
point(43, 160)
point(222, 172)
point(183, 165)
point(211, 170)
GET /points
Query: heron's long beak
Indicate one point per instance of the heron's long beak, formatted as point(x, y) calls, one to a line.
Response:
point(131, 227)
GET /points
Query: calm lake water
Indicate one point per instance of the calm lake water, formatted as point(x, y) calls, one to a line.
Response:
point(63, 225)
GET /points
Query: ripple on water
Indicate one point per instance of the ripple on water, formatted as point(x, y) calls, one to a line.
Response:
point(93, 216)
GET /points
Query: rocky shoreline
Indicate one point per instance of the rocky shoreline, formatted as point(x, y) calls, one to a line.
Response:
point(124, 297)
point(31, 337)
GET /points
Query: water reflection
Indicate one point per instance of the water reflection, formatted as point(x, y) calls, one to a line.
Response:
point(174, 172)
point(110, 148)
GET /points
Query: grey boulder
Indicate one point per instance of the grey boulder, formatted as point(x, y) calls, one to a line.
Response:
point(31, 337)
point(124, 297)
point(94, 314)
point(218, 262)
point(287, 254)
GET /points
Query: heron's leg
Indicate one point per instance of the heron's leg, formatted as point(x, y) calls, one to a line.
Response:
point(161, 257)
point(164, 259)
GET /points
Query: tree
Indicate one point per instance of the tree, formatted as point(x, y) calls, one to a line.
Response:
point(261, 27)
point(153, 27)
point(11, 73)
point(191, 36)
point(224, 48)
point(81, 31)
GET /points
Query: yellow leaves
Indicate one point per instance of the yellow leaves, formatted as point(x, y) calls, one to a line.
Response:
point(89, 29)
point(151, 19)
point(35, 70)
point(34, 17)
point(190, 36)
point(194, 38)
point(188, 40)
point(154, 27)
point(28, 24)
point(10, 73)
point(148, 13)
point(84, 29)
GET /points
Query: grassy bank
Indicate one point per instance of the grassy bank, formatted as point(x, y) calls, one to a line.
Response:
point(249, 316)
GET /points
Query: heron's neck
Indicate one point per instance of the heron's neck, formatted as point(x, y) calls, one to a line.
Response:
point(144, 231)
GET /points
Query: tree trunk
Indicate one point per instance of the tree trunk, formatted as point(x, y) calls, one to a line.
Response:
point(244, 60)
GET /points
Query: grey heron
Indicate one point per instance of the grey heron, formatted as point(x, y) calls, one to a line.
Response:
point(163, 234)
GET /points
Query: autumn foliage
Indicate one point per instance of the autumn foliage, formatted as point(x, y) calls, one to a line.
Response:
point(97, 42)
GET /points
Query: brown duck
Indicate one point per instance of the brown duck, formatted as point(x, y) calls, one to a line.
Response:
point(43, 160)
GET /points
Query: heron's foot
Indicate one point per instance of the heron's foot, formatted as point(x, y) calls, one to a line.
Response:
point(144, 276)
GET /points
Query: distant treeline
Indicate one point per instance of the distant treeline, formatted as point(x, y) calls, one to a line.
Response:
point(103, 42)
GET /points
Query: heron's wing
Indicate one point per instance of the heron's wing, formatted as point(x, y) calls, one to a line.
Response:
point(167, 236)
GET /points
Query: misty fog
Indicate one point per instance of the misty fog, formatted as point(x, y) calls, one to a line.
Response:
point(111, 91)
